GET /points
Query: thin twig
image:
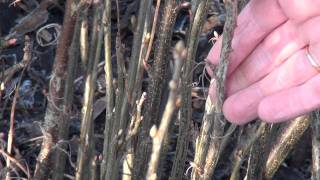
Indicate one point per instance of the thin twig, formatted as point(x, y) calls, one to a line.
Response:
point(135, 88)
point(12, 159)
point(86, 146)
point(109, 87)
point(136, 92)
point(243, 148)
point(112, 164)
point(153, 31)
point(136, 47)
point(258, 155)
point(26, 60)
point(159, 134)
point(135, 63)
point(186, 110)
point(133, 131)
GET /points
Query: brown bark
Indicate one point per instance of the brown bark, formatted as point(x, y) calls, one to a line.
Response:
point(54, 113)
point(156, 86)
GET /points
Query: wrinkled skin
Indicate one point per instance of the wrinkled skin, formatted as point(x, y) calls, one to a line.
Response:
point(269, 74)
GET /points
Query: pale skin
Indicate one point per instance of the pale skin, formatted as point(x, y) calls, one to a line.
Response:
point(269, 74)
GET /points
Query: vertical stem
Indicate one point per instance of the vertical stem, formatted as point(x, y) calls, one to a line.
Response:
point(86, 146)
point(132, 132)
point(258, 155)
point(153, 31)
point(128, 162)
point(220, 75)
point(136, 92)
point(156, 86)
point(93, 169)
point(55, 99)
point(159, 135)
point(109, 87)
point(134, 63)
point(186, 109)
point(202, 143)
point(213, 123)
point(287, 140)
point(84, 38)
point(112, 164)
point(315, 145)
point(136, 47)
point(244, 145)
point(25, 61)
point(63, 127)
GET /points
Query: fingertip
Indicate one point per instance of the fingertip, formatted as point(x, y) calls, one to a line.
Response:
point(234, 113)
point(267, 114)
point(264, 113)
point(231, 86)
point(230, 116)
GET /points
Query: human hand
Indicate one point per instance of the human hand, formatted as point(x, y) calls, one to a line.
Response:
point(270, 75)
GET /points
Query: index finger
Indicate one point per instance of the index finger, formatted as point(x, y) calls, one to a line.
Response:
point(254, 23)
